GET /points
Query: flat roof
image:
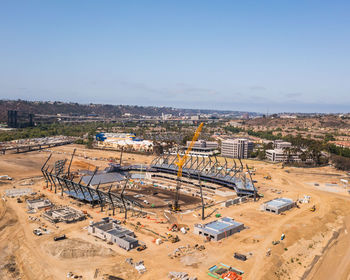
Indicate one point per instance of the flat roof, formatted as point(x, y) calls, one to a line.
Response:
point(279, 202)
point(220, 226)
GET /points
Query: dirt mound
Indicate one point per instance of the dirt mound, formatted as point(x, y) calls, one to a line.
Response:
point(76, 248)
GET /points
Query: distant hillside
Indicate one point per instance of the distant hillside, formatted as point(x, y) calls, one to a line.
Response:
point(103, 110)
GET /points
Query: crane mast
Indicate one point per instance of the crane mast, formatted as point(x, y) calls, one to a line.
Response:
point(180, 163)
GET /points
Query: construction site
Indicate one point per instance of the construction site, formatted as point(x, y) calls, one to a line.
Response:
point(71, 212)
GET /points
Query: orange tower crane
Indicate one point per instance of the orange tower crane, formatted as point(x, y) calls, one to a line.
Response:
point(180, 163)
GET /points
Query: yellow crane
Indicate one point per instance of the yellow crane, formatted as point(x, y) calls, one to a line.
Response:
point(180, 163)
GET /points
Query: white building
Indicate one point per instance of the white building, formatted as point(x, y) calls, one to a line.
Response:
point(280, 155)
point(204, 148)
point(236, 148)
point(280, 144)
point(278, 205)
point(124, 141)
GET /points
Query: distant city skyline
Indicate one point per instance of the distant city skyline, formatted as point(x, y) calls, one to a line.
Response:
point(263, 56)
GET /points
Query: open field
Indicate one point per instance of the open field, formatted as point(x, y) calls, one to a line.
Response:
point(316, 244)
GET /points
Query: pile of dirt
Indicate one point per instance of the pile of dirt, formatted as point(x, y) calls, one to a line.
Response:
point(76, 248)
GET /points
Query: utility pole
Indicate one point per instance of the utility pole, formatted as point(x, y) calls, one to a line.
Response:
point(121, 156)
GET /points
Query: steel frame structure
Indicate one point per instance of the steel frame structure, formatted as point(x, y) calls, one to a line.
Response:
point(95, 196)
point(210, 170)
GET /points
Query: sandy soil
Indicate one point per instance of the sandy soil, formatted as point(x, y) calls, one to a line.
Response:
point(316, 245)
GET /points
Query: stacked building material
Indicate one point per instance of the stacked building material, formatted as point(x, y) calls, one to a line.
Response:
point(180, 276)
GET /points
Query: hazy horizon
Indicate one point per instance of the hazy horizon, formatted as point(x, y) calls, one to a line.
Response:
point(268, 56)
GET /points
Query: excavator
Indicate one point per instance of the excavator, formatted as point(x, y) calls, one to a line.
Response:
point(180, 163)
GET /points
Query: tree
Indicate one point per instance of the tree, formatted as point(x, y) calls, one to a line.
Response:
point(287, 154)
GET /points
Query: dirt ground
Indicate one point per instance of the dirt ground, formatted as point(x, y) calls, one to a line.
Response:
point(158, 197)
point(317, 244)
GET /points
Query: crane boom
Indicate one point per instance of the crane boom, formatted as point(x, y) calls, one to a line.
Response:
point(180, 163)
point(181, 160)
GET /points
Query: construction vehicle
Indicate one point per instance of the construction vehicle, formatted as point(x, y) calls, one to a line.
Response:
point(58, 238)
point(37, 232)
point(174, 227)
point(313, 208)
point(240, 256)
point(5, 177)
point(172, 238)
point(141, 248)
point(268, 177)
point(180, 163)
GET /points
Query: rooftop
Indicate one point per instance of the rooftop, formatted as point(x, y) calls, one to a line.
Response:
point(279, 202)
point(219, 226)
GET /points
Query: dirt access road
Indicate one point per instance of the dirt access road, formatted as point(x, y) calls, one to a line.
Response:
point(24, 255)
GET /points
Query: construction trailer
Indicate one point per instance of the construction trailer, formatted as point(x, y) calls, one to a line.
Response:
point(109, 229)
point(38, 203)
point(278, 205)
point(218, 229)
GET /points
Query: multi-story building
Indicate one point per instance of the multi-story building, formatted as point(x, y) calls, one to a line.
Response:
point(280, 144)
point(204, 148)
point(18, 119)
point(280, 155)
point(237, 148)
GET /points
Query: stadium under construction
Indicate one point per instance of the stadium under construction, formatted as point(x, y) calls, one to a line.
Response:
point(107, 188)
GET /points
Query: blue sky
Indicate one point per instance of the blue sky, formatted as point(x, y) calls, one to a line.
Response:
point(240, 55)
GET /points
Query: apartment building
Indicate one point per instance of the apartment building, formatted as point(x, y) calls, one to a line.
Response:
point(237, 148)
